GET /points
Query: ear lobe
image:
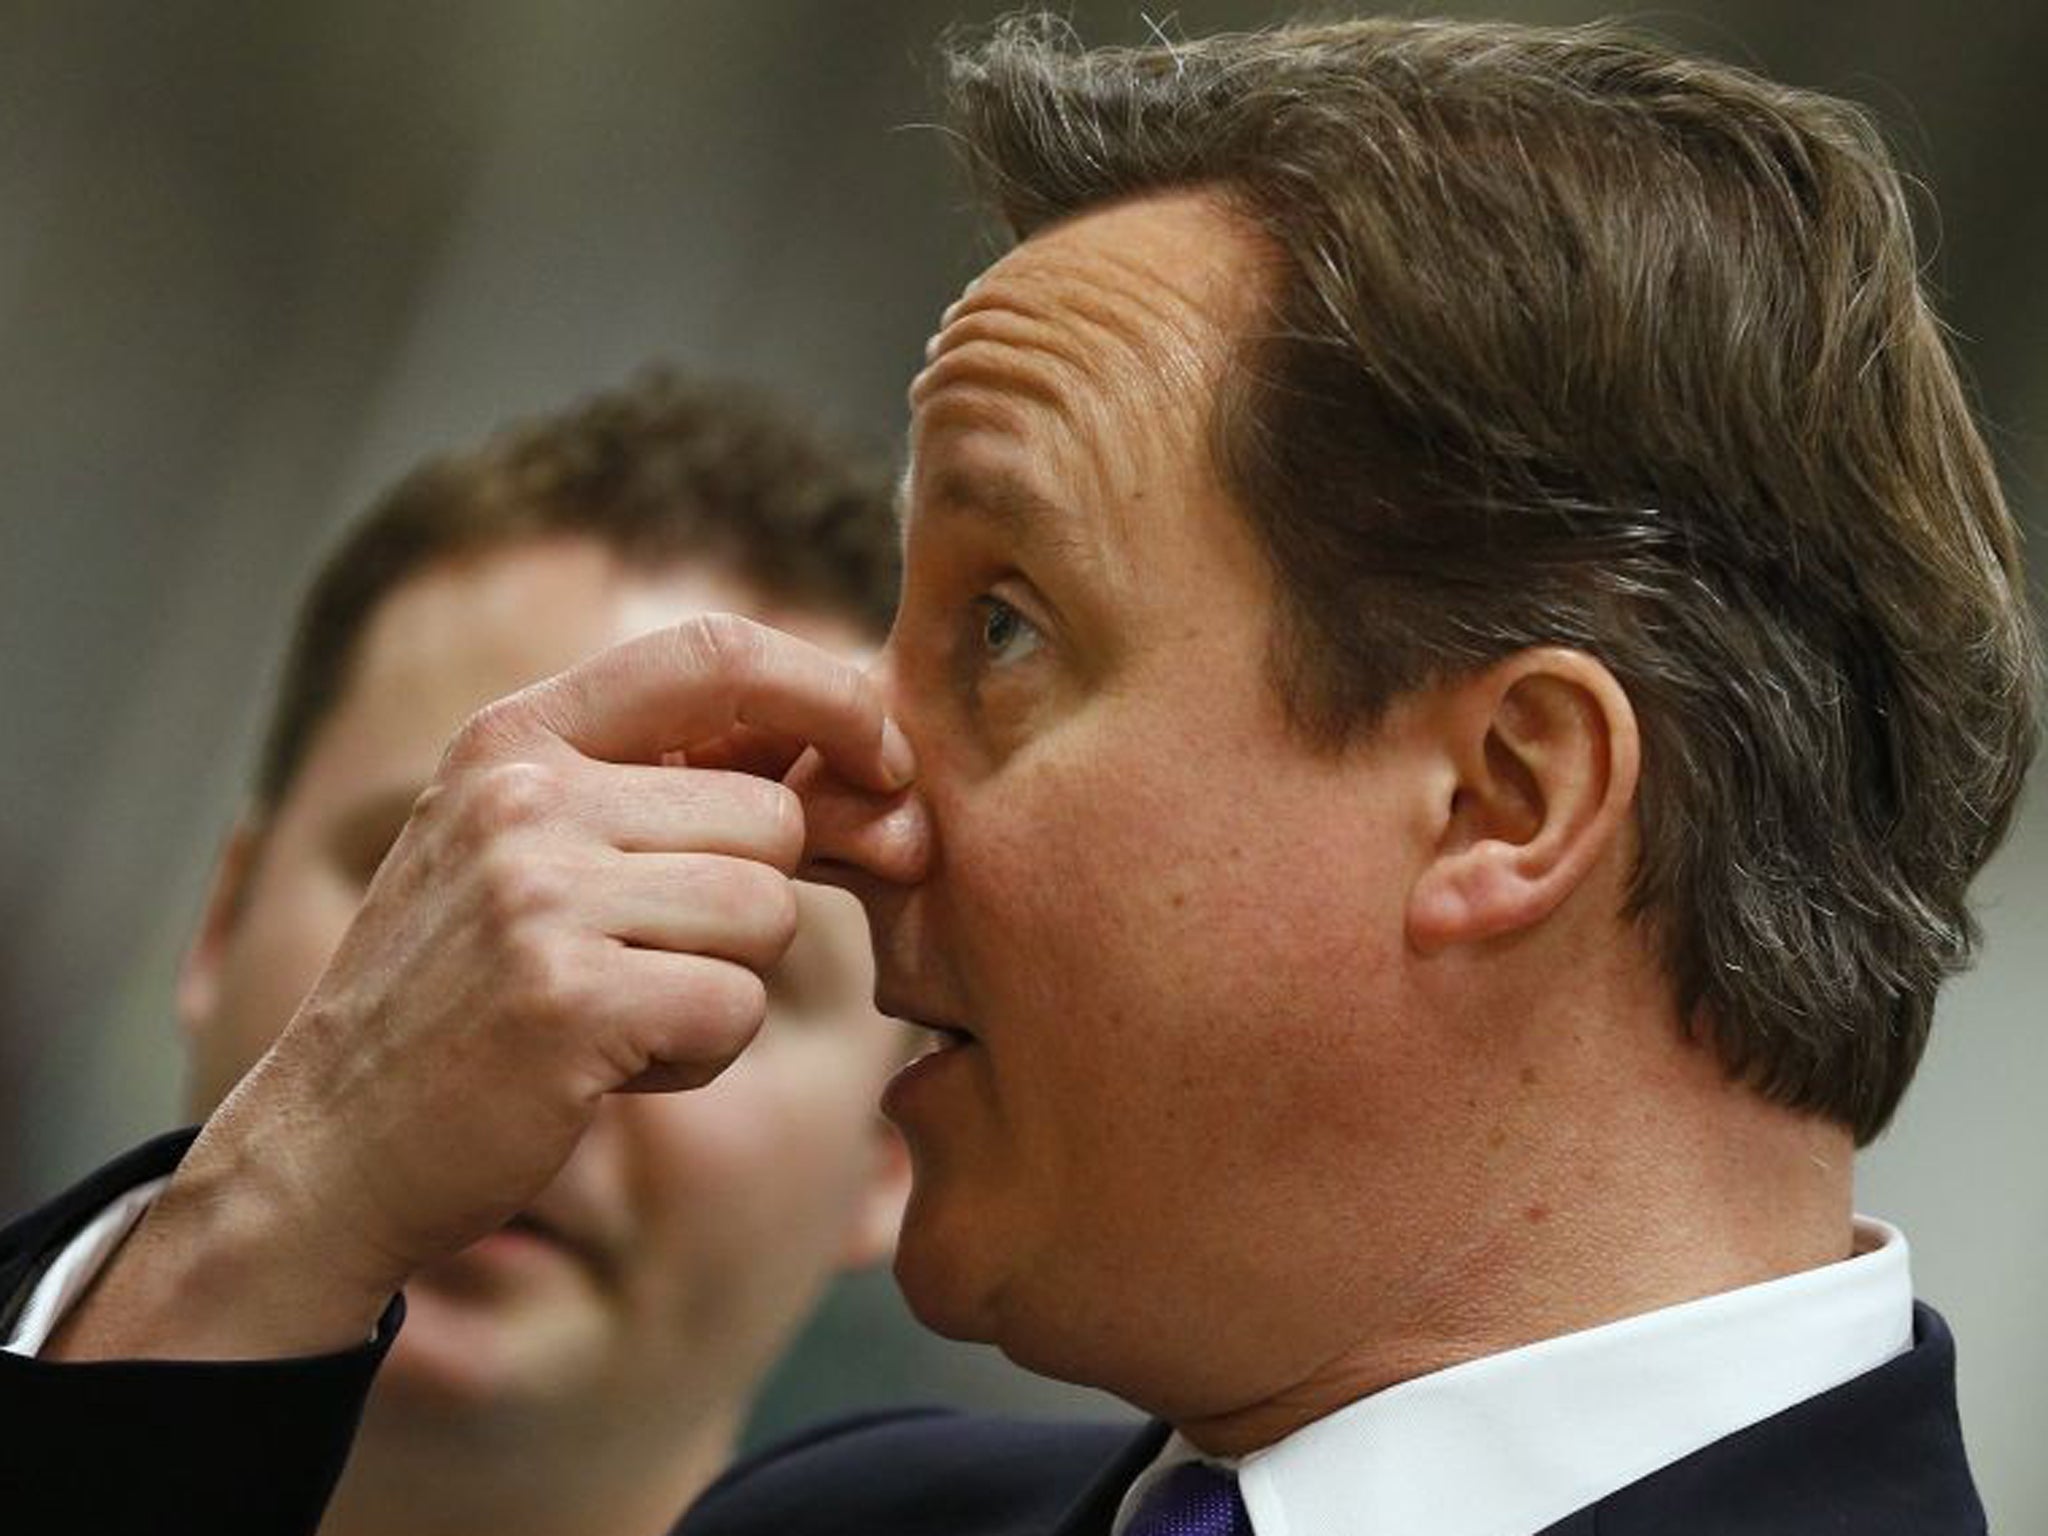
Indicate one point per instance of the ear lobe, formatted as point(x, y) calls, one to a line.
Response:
point(199, 972)
point(1547, 756)
point(871, 1237)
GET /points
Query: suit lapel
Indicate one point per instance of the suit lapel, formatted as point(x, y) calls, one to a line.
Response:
point(1092, 1512)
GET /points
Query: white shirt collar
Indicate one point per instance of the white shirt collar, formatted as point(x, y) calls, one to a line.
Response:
point(1510, 1443)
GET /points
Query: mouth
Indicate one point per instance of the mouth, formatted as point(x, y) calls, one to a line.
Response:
point(533, 1225)
point(940, 1034)
point(943, 1037)
point(947, 1056)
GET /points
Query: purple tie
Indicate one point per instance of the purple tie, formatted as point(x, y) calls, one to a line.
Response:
point(1192, 1500)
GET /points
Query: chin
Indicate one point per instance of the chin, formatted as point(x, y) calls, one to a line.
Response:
point(948, 1278)
point(971, 1283)
point(940, 1303)
point(968, 1286)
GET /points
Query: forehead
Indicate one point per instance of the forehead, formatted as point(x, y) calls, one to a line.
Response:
point(1066, 400)
point(1136, 301)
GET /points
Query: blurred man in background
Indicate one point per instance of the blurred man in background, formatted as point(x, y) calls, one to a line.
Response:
point(587, 1367)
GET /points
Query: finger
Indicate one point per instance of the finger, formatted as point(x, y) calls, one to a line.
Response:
point(681, 1019)
point(735, 909)
point(693, 810)
point(747, 749)
point(692, 683)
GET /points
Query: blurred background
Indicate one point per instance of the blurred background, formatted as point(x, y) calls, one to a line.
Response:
point(256, 259)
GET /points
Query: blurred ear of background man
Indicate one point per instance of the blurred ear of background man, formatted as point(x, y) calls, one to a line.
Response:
point(588, 1368)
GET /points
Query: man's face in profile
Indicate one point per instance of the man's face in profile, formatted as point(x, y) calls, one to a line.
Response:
point(1169, 928)
point(689, 1232)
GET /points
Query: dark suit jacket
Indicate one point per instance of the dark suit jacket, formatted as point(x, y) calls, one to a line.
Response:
point(256, 1447)
point(1878, 1456)
point(228, 1449)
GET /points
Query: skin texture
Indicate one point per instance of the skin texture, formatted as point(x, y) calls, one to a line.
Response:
point(598, 1354)
point(1361, 1033)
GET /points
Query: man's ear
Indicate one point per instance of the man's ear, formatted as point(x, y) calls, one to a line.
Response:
point(199, 972)
point(1544, 754)
point(871, 1237)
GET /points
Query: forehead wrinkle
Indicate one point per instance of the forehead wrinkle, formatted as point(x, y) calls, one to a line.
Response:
point(1147, 311)
point(1073, 302)
point(999, 356)
point(1106, 300)
point(1111, 337)
point(1150, 327)
point(986, 353)
point(994, 359)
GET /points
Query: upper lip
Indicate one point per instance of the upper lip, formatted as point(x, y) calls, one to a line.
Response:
point(897, 1007)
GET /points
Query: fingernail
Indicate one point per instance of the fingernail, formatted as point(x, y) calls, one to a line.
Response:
point(898, 761)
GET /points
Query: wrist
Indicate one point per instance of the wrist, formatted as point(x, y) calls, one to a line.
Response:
point(226, 1265)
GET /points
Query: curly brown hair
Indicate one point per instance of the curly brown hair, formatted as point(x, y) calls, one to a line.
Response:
point(661, 471)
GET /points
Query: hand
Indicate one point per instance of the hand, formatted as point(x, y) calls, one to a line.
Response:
point(570, 912)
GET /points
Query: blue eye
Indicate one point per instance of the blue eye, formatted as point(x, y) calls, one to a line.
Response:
point(1005, 633)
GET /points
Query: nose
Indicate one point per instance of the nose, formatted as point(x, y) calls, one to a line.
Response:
point(871, 843)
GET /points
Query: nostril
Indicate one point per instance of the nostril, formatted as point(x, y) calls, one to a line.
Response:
point(879, 837)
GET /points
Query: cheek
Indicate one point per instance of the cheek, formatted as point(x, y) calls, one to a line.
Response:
point(1176, 944)
point(283, 941)
point(1113, 875)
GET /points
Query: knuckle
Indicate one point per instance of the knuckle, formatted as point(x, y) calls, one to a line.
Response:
point(734, 641)
point(515, 888)
point(757, 888)
point(506, 796)
point(731, 1000)
point(721, 646)
point(430, 805)
point(754, 898)
point(707, 1019)
point(777, 905)
point(544, 984)
point(487, 732)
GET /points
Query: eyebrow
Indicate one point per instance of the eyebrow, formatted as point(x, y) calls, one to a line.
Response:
point(1010, 502)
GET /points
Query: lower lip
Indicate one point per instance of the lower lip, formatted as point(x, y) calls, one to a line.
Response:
point(919, 1081)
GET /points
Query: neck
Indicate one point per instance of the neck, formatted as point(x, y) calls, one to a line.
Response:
point(1609, 1172)
point(454, 1478)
